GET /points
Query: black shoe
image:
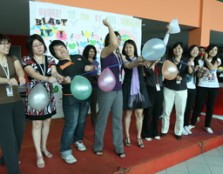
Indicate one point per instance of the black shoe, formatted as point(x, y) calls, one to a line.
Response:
point(162, 134)
point(2, 161)
point(178, 137)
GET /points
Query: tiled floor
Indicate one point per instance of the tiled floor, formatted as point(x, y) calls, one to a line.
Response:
point(210, 162)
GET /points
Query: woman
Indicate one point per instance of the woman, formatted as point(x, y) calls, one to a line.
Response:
point(154, 84)
point(135, 96)
point(175, 92)
point(191, 88)
point(12, 117)
point(208, 86)
point(90, 53)
point(113, 100)
point(40, 70)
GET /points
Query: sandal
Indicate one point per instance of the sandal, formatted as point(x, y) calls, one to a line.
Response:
point(99, 153)
point(140, 143)
point(121, 155)
point(47, 153)
point(40, 162)
point(127, 141)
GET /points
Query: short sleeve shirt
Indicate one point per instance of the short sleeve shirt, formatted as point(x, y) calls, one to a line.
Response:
point(3, 95)
point(70, 68)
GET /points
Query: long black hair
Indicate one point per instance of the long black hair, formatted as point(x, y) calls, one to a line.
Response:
point(209, 48)
point(87, 49)
point(132, 42)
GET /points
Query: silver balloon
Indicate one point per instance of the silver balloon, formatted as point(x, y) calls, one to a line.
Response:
point(153, 49)
point(38, 97)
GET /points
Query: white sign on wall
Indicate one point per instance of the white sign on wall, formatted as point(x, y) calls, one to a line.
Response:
point(78, 27)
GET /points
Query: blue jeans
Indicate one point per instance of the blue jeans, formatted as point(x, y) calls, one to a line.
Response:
point(75, 113)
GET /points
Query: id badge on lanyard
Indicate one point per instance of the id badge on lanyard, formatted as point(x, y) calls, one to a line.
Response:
point(158, 87)
point(157, 78)
point(9, 89)
point(179, 81)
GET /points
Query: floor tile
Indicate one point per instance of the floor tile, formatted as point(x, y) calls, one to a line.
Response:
point(198, 168)
point(216, 169)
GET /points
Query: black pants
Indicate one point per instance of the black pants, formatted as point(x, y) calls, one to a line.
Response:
point(151, 114)
point(191, 94)
point(12, 126)
point(209, 96)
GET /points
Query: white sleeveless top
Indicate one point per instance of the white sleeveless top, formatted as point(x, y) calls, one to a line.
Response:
point(209, 80)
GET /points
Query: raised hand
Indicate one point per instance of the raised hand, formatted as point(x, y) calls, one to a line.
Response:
point(105, 22)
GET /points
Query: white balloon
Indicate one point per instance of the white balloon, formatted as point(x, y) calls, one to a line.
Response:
point(38, 97)
point(153, 49)
point(174, 26)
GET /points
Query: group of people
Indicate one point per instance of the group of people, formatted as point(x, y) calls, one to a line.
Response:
point(142, 90)
point(195, 84)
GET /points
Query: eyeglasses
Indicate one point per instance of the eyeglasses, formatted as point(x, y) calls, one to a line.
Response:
point(5, 43)
point(37, 45)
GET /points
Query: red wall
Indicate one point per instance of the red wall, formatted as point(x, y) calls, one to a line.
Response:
point(19, 41)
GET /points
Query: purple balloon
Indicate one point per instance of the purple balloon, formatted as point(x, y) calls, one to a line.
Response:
point(106, 80)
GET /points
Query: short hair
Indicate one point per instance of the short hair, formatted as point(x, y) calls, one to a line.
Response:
point(191, 48)
point(210, 47)
point(178, 44)
point(107, 38)
point(132, 42)
point(29, 43)
point(174, 46)
point(4, 37)
point(53, 44)
point(87, 49)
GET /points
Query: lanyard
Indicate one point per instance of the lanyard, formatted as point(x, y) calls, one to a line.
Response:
point(6, 71)
point(44, 66)
point(119, 59)
point(156, 70)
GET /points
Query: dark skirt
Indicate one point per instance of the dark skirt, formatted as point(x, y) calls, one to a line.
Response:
point(135, 105)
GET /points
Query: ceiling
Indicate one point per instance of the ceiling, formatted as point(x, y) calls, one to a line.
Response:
point(14, 17)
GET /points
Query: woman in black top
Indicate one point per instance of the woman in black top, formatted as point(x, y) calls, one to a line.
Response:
point(154, 84)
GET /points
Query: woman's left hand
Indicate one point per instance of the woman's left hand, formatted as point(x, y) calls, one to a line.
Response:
point(89, 68)
point(22, 81)
point(179, 78)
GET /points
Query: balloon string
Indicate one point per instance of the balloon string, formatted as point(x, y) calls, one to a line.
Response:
point(96, 70)
point(184, 63)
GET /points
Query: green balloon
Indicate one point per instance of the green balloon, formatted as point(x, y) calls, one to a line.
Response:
point(80, 87)
point(55, 89)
